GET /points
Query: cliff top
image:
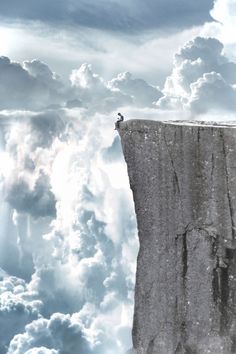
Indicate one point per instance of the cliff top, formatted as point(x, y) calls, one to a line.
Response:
point(141, 124)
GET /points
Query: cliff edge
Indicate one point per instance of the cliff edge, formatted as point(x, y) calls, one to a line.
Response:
point(183, 178)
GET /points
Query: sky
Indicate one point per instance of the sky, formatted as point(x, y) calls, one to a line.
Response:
point(68, 234)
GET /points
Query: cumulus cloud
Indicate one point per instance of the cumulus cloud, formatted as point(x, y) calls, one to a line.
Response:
point(112, 15)
point(41, 71)
point(100, 96)
point(17, 308)
point(62, 333)
point(210, 92)
point(143, 94)
point(79, 252)
point(224, 12)
point(24, 87)
point(202, 79)
point(94, 92)
point(58, 334)
point(33, 86)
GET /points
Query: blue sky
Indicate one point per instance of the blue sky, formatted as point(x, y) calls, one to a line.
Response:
point(68, 236)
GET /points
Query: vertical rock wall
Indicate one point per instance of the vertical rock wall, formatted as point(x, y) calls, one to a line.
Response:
point(183, 178)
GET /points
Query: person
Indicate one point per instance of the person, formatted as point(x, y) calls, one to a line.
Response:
point(119, 119)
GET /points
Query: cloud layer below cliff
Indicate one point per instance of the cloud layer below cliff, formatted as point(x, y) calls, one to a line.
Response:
point(68, 257)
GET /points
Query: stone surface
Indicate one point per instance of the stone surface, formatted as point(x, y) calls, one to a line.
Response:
point(183, 178)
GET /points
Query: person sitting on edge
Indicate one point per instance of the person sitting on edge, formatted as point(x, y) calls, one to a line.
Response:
point(119, 119)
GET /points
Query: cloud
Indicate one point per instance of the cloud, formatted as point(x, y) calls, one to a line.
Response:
point(75, 103)
point(38, 201)
point(41, 350)
point(23, 89)
point(101, 96)
point(59, 333)
point(2, 274)
point(83, 255)
point(26, 190)
point(202, 79)
point(33, 85)
point(29, 144)
point(224, 13)
point(146, 55)
point(212, 92)
point(143, 95)
point(86, 331)
point(113, 152)
point(94, 92)
point(123, 16)
point(45, 127)
point(17, 308)
point(42, 72)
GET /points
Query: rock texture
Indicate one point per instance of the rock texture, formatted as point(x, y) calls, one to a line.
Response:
point(183, 178)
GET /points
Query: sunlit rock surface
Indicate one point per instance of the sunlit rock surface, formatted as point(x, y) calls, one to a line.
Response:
point(183, 178)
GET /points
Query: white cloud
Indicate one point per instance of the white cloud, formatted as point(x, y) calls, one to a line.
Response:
point(81, 259)
point(59, 333)
point(28, 144)
point(94, 92)
point(19, 89)
point(224, 12)
point(212, 92)
point(17, 308)
point(33, 85)
point(82, 332)
point(41, 350)
point(41, 71)
point(202, 79)
point(143, 95)
point(101, 96)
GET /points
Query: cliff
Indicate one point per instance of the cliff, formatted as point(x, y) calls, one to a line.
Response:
point(183, 178)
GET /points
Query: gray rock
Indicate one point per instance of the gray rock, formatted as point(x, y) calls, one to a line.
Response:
point(183, 178)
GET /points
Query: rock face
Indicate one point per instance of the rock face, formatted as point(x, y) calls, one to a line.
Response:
point(183, 178)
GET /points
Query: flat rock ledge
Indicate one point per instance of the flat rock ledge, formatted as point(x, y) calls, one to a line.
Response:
point(183, 178)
